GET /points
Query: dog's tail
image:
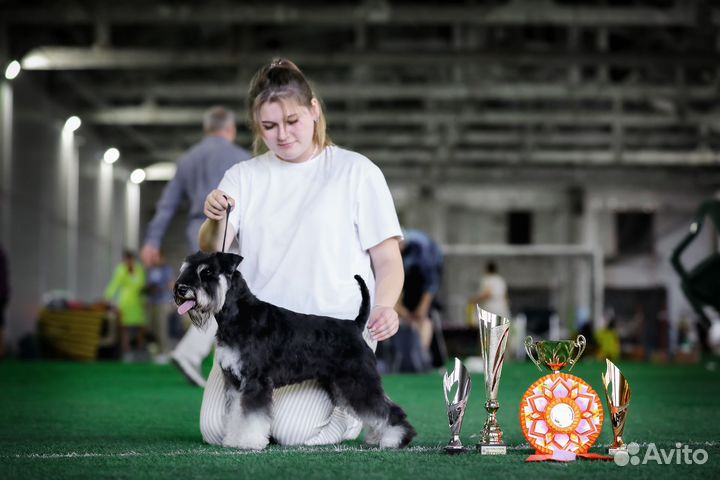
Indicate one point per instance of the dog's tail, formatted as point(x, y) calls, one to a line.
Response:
point(364, 312)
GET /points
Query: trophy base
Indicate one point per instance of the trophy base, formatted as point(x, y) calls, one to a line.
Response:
point(454, 449)
point(613, 451)
point(486, 449)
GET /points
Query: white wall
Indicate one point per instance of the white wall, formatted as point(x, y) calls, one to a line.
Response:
point(674, 211)
point(476, 214)
point(66, 228)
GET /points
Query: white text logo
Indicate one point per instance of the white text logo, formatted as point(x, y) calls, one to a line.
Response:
point(680, 455)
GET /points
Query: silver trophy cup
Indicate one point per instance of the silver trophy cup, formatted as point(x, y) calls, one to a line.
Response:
point(456, 405)
point(494, 331)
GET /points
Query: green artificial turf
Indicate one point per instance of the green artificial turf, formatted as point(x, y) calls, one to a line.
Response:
point(101, 420)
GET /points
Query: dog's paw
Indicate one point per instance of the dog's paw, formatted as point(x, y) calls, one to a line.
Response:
point(245, 442)
point(372, 437)
point(394, 437)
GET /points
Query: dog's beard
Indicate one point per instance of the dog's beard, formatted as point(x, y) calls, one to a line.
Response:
point(199, 318)
point(206, 306)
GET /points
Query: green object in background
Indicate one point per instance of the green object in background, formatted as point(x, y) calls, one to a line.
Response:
point(608, 342)
point(701, 283)
point(70, 420)
point(128, 287)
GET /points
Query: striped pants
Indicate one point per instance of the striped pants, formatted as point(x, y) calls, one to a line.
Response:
point(302, 413)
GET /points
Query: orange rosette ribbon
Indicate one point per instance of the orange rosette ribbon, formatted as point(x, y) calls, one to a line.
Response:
point(561, 413)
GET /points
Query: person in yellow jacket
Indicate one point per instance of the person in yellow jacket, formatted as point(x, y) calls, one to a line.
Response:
point(128, 284)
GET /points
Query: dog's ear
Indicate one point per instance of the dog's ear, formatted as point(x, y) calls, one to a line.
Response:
point(228, 262)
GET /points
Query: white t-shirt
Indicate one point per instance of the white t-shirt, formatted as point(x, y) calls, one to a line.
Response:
point(304, 229)
point(496, 286)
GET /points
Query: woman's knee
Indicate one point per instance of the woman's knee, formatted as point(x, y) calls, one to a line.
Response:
point(299, 413)
point(211, 430)
point(287, 435)
point(293, 431)
point(212, 409)
point(211, 420)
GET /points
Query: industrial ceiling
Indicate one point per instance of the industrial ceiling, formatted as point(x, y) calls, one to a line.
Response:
point(431, 91)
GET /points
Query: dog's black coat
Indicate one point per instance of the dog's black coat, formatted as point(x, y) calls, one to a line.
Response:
point(278, 347)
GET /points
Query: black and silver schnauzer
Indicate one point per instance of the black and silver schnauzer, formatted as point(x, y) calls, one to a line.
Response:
point(261, 347)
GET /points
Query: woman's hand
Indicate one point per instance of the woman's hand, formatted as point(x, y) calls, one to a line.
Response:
point(216, 204)
point(383, 322)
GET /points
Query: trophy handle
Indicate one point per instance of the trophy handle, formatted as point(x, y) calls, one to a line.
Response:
point(530, 346)
point(580, 343)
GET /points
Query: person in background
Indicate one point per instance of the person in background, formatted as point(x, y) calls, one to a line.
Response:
point(423, 264)
point(492, 295)
point(160, 281)
point(607, 340)
point(128, 285)
point(199, 170)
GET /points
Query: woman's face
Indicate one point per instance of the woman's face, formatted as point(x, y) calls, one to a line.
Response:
point(287, 129)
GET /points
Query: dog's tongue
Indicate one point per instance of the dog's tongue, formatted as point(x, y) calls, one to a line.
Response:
point(187, 305)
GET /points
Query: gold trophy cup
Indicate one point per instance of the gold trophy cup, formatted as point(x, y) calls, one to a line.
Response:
point(555, 355)
point(617, 392)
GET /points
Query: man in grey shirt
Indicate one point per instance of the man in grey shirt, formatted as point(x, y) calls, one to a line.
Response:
point(199, 171)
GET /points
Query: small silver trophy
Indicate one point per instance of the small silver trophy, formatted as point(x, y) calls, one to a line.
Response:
point(456, 407)
point(494, 331)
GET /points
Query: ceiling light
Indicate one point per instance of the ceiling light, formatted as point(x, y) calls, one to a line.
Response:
point(137, 176)
point(111, 155)
point(72, 123)
point(35, 61)
point(163, 171)
point(12, 70)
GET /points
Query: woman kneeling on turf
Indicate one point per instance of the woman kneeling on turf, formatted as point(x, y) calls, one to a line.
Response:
point(307, 216)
